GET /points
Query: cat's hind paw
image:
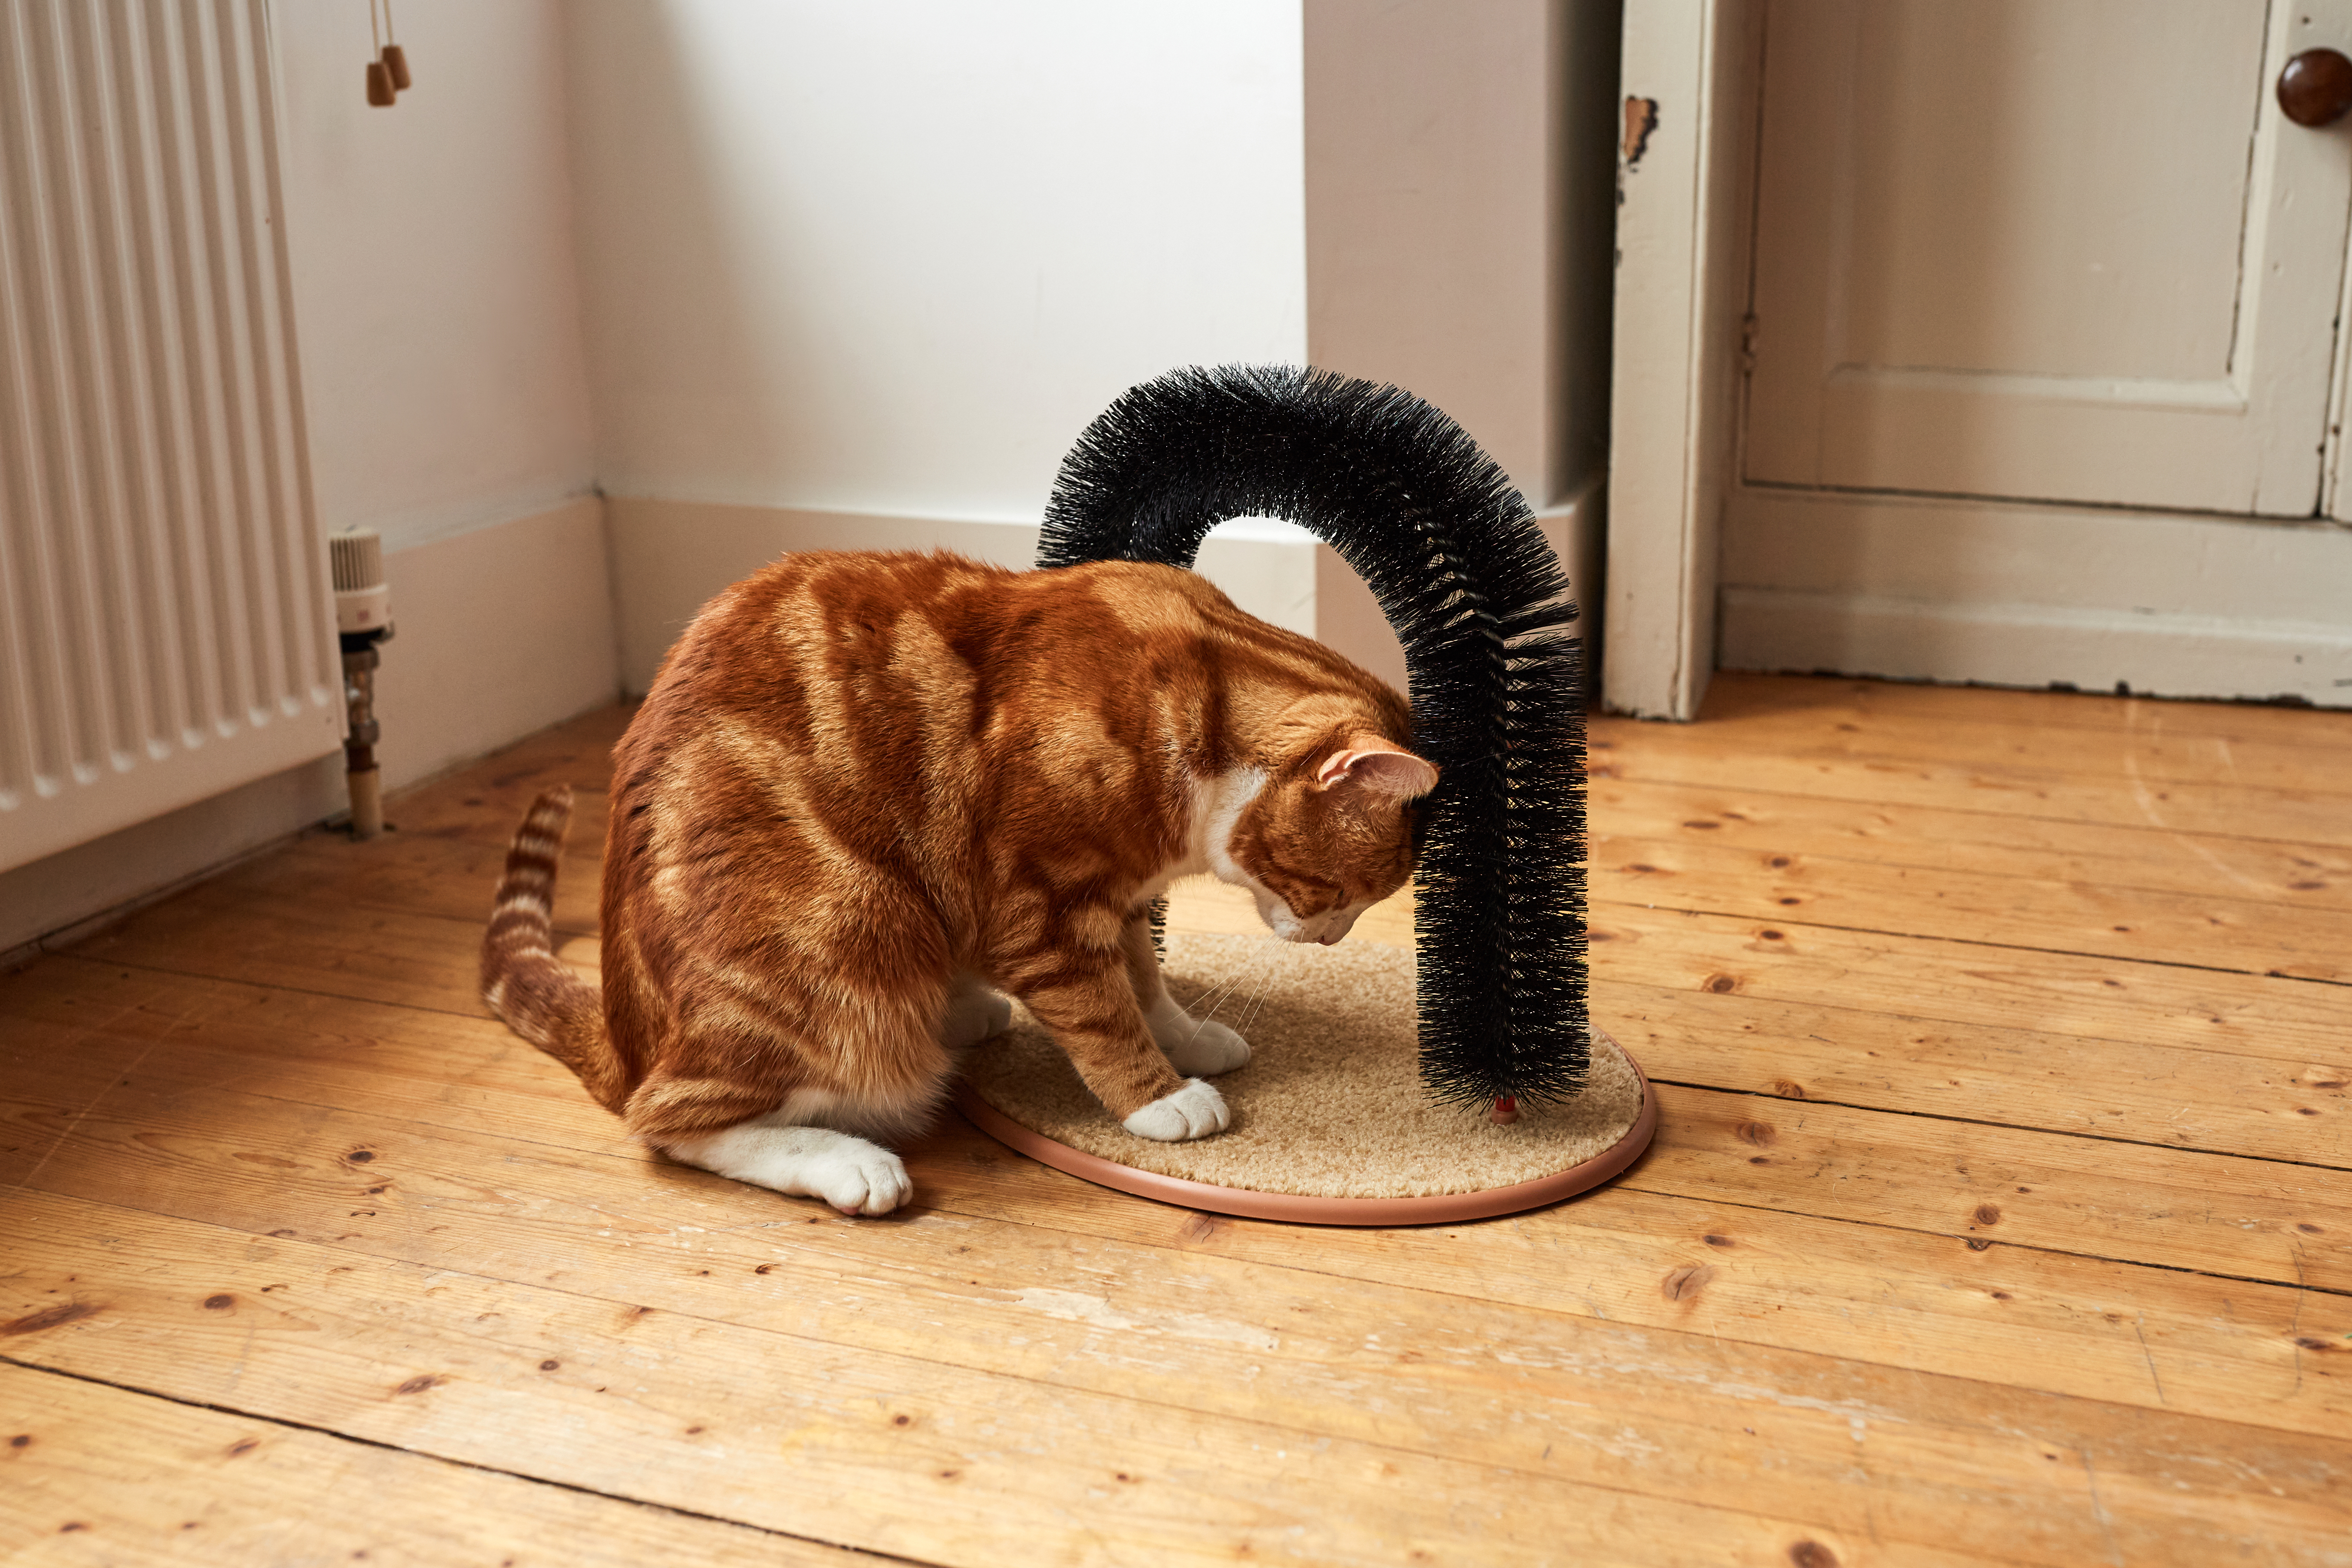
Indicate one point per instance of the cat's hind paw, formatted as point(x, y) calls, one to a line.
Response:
point(974, 1016)
point(1194, 1111)
point(861, 1180)
point(1205, 1050)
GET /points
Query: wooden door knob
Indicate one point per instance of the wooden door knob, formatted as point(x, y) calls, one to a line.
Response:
point(2315, 89)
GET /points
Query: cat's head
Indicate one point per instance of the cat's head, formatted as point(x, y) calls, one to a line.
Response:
point(1328, 835)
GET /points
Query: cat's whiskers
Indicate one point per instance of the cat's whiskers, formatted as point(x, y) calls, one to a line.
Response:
point(1222, 994)
point(1266, 954)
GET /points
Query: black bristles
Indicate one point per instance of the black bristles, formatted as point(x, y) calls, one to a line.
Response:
point(1453, 554)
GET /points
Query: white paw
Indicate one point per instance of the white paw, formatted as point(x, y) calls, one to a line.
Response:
point(1205, 1049)
point(1195, 1110)
point(974, 1016)
point(865, 1179)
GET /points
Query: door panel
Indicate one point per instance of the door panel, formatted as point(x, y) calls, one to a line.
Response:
point(2046, 249)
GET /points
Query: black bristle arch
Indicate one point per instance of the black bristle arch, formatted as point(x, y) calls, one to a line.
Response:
point(1477, 596)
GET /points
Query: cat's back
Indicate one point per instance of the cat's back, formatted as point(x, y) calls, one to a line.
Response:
point(883, 620)
point(895, 664)
point(884, 658)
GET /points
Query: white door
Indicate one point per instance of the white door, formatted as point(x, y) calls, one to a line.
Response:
point(2043, 329)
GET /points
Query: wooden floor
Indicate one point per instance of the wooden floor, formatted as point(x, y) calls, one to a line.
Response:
point(1999, 1212)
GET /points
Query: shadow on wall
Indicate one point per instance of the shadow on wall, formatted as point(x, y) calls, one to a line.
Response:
point(892, 259)
point(858, 277)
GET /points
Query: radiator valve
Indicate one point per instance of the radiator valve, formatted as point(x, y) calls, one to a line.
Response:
point(363, 619)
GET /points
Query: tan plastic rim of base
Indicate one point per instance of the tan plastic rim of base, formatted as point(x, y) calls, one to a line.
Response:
point(1442, 1208)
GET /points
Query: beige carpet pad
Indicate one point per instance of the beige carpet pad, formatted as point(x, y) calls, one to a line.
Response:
point(1330, 1104)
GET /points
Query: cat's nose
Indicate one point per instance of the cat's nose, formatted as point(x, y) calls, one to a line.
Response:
point(1331, 938)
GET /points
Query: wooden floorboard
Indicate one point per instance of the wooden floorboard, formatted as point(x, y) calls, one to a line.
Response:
point(1931, 1174)
point(2040, 850)
point(98, 1474)
point(2096, 776)
point(2038, 719)
point(1976, 1229)
point(2086, 1324)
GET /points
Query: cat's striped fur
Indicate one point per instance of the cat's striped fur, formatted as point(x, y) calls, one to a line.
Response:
point(869, 792)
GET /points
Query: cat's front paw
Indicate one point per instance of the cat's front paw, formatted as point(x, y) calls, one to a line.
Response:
point(1194, 1111)
point(1206, 1048)
point(861, 1180)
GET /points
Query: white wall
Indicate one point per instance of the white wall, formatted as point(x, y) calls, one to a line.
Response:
point(439, 308)
point(885, 261)
point(890, 258)
point(436, 294)
point(860, 273)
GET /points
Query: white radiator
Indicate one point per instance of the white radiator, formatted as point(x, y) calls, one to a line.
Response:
point(165, 630)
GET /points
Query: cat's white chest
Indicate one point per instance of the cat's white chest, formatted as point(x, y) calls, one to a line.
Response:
point(1218, 801)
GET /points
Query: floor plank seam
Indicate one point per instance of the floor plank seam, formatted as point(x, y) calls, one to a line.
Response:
point(1972, 942)
point(1833, 857)
point(1630, 1182)
point(1990, 1242)
point(1529, 1307)
point(1308, 1433)
point(292, 1425)
point(1610, 773)
point(520, 1136)
point(1731, 690)
point(231, 1086)
point(1930, 1020)
point(1773, 1346)
point(150, 967)
point(1767, 1095)
point(469, 924)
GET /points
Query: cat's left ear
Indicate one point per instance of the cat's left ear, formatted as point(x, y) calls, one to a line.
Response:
point(1372, 763)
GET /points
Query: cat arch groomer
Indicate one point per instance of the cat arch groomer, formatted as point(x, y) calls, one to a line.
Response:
point(871, 797)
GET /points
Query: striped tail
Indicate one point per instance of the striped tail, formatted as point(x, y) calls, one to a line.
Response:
point(541, 997)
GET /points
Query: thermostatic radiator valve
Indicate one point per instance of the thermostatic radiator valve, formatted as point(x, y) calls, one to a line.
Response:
point(363, 619)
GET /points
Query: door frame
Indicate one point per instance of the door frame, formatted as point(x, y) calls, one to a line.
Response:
point(1686, 181)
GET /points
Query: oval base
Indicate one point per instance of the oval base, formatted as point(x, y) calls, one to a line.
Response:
point(1442, 1208)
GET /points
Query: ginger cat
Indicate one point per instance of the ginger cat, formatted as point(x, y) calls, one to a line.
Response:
point(868, 793)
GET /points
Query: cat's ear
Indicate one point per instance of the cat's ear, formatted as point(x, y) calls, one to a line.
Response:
point(1371, 763)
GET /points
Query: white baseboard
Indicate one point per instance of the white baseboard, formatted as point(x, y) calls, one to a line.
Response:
point(47, 900)
point(501, 632)
point(670, 556)
point(1922, 589)
point(2036, 646)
